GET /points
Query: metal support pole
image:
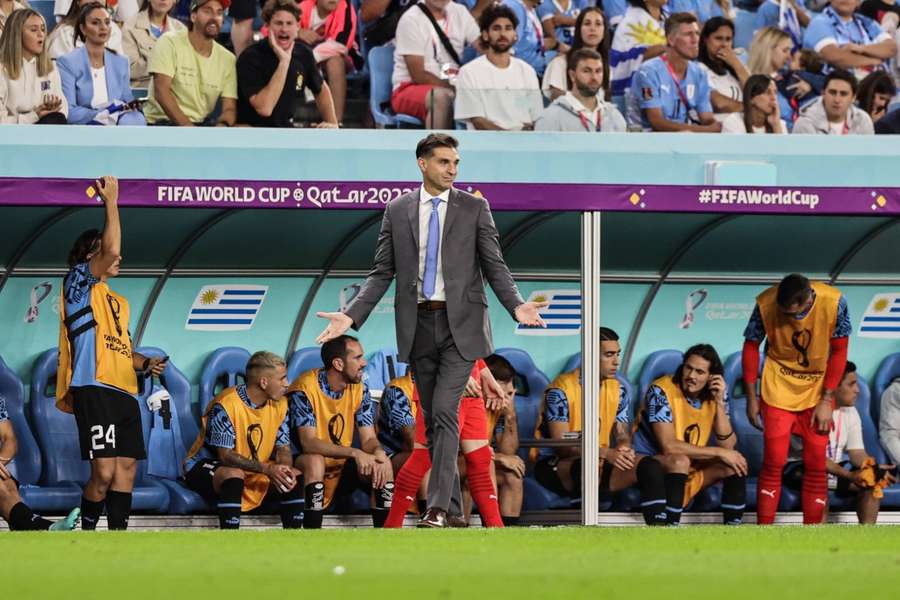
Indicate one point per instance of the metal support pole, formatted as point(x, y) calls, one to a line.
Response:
point(590, 364)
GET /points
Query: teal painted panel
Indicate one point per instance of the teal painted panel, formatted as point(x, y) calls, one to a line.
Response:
point(22, 342)
point(878, 257)
point(16, 224)
point(189, 349)
point(552, 246)
point(643, 243)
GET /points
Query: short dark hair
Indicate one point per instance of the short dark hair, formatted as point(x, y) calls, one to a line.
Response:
point(494, 12)
point(678, 19)
point(500, 368)
point(87, 242)
point(842, 75)
point(336, 348)
point(581, 54)
point(850, 368)
point(273, 6)
point(608, 335)
point(707, 353)
point(793, 289)
point(426, 145)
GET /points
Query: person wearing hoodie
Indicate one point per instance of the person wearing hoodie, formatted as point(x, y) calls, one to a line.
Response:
point(581, 109)
point(835, 112)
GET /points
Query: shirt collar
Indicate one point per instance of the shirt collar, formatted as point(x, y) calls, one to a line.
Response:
point(323, 385)
point(579, 107)
point(425, 197)
point(245, 397)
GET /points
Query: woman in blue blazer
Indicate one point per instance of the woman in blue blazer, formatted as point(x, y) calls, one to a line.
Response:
point(95, 80)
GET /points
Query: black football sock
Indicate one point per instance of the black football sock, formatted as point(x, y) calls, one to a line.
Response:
point(315, 505)
point(651, 481)
point(734, 499)
point(229, 505)
point(510, 521)
point(22, 518)
point(675, 483)
point(90, 513)
point(292, 508)
point(384, 497)
point(118, 508)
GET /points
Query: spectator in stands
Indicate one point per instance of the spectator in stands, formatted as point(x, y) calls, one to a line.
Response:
point(17, 514)
point(63, 40)
point(274, 73)
point(533, 40)
point(835, 112)
point(880, 11)
point(682, 414)
point(242, 13)
point(852, 473)
point(769, 14)
point(430, 41)
point(380, 18)
point(6, 9)
point(30, 89)
point(243, 451)
point(329, 28)
point(140, 34)
point(848, 40)
point(875, 94)
point(497, 91)
point(724, 70)
point(397, 420)
point(503, 434)
point(582, 108)
point(95, 80)
point(760, 109)
point(889, 123)
point(770, 54)
point(673, 89)
point(327, 405)
point(192, 72)
point(559, 469)
point(559, 16)
point(639, 37)
point(889, 421)
point(122, 10)
point(591, 32)
point(704, 10)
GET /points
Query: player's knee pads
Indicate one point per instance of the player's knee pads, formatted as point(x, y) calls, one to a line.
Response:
point(315, 496)
point(384, 497)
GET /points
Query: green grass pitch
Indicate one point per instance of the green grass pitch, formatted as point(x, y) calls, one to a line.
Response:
point(688, 563)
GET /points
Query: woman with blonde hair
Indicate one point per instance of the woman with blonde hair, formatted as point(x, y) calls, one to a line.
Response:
point(770, 54)
point(141, 32)
point(30, 89)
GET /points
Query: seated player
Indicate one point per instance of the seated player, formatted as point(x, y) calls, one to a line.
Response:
point(476, 452)
point(559, 469)
point(397, 420)
point(17, 514)
point(682, 413)
point(243, 451)
point(502, 434)
point(327, 406)
point(856, 474)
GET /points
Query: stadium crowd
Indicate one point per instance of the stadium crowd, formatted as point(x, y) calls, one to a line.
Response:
point(548, 65)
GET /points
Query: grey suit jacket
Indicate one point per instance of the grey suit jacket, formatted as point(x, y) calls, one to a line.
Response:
point(470, 253)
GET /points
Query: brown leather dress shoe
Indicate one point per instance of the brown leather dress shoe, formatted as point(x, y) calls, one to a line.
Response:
point(434, 518)
point(456, 521)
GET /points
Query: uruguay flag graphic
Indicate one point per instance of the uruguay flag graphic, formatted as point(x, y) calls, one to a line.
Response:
point(882, 317)
point(226, 307)
point(563, 316)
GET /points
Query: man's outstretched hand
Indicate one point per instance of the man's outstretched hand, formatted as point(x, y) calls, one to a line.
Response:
point(528, 313)
point(338, 324)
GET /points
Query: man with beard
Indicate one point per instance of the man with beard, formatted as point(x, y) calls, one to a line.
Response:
point(191, 72)
point(326, 406)
point(581, 108)
point(671, 90)
point(498, 91)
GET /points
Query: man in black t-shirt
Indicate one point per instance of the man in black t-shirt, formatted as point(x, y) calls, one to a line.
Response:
point(273, 74)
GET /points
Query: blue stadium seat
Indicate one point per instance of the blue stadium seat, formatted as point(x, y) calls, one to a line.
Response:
point(57, 436)
point(383, 366)
point(572, 363)
point(744, 22)
point(223, 368)
point(165, 454)
point(26, 467)
point(45, 7)
point(303, 360)
point(888, 370)
point(657, 364)
point(530, 386)
point(381, 66)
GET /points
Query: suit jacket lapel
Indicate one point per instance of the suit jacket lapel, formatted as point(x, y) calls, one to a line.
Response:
point(453, 210)
point(413, 212)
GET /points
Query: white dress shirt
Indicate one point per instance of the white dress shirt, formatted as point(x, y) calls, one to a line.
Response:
point(424, 217)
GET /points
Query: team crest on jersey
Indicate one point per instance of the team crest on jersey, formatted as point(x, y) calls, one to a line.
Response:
point(647, 93)
point(299, 81)
point(45, 86)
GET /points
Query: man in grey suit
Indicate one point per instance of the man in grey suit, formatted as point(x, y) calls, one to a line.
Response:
point(440, 244)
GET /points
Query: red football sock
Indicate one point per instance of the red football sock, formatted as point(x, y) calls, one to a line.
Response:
point(406, 486)
point(777, 441)
point(814, 492)
point(478, 472)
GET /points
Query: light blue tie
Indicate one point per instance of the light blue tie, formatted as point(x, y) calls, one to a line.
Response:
point(432, 249)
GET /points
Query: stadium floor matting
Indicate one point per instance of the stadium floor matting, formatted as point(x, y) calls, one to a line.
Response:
point(548, 518)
